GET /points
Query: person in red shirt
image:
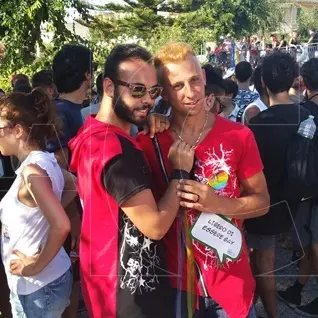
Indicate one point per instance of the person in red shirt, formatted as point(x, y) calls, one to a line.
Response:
point(228, 186)
point(123, 270)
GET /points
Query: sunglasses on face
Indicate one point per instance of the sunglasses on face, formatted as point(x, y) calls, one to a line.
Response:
point(140, 90)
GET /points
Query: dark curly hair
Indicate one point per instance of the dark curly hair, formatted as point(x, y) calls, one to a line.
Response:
point(70, 65)
point(230, 87)
point(279, 71)
point(214, 81)
point(43, 79)
point(122, 53)
point(243, 71)
point(309, 72)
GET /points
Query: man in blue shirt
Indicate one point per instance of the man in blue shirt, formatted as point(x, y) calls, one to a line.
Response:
point(244, 97)
point(73, 69)
point(73, 76)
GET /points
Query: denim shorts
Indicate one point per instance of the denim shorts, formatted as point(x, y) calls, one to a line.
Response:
point(48, 302)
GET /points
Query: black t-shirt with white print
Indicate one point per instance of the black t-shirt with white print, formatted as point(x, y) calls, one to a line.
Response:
point(144, 289)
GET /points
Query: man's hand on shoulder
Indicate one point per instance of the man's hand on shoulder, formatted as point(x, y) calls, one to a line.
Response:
point(156, 123)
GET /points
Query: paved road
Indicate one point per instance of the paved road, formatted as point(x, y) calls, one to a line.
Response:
point(286, 275)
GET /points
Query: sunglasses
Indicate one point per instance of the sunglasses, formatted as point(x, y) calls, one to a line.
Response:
point(140, 90)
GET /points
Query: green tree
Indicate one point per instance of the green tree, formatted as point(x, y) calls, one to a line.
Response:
point(164, 34)
point(307, 20)
point(21, 24)
point(42, 62)
point(184, 28)
point(243, 17)
point(130, 19)
point(144, 19)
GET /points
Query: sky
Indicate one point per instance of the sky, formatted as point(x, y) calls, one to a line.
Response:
point(72, 14)
point(101, 2)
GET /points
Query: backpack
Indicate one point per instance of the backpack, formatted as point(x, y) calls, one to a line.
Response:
point(301, 174)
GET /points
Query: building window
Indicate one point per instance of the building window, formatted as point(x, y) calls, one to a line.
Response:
point(298, 12)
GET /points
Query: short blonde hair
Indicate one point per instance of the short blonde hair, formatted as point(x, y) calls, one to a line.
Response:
point(173, 52)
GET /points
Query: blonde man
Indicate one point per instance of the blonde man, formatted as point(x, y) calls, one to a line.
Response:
point(227, 160)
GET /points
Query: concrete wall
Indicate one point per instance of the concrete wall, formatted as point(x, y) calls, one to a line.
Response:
point(290, 19)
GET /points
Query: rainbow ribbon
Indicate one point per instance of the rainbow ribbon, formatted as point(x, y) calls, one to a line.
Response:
point(190, 267)
point(188, 247)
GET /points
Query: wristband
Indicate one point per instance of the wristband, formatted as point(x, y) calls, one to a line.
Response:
point(180, 174)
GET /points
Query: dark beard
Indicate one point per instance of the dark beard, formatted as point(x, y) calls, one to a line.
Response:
point(126, 113)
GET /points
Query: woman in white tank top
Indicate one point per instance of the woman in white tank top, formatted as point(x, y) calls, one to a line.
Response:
point(34, 223)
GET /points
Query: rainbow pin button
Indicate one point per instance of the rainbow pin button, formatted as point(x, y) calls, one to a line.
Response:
point(219, 180)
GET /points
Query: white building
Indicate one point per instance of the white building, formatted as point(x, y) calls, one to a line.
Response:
point(293, 8)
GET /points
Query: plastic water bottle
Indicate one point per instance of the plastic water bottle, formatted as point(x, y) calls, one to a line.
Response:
point(307, 128)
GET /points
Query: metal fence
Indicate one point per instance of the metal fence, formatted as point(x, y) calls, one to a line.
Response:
point(301, 53)
point(225, 60)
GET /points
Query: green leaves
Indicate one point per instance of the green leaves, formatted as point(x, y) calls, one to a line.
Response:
point(307, 20)
point(143, 18)
point(243, 17)
point(21, 25)
point(33, 8)
point(149, 22)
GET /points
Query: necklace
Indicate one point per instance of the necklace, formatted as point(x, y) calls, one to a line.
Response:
point(199, 137)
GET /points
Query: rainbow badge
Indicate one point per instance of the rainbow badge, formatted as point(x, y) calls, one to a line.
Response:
point(219, 180)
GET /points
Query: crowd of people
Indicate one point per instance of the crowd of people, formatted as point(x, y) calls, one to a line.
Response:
point(164, 195)
point(253, 49)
